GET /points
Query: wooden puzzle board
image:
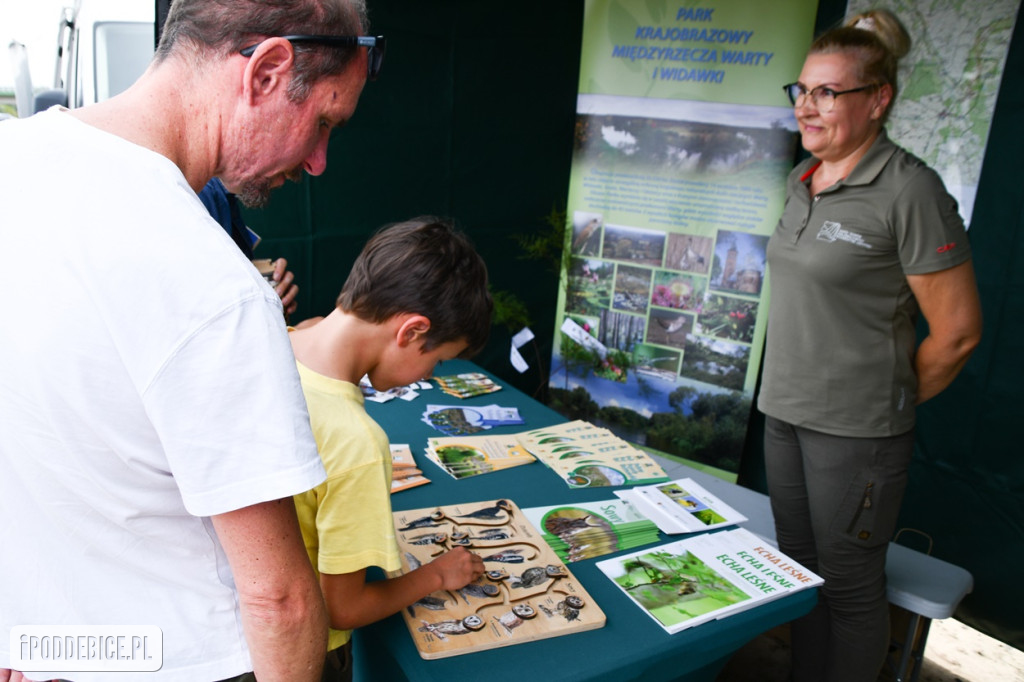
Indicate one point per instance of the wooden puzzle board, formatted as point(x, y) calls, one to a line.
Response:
point(525, 594)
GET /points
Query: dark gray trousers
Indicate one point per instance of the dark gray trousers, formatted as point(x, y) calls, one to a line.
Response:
point(836, 501)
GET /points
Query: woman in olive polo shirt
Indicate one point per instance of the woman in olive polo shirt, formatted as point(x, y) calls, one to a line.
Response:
point(868, 239)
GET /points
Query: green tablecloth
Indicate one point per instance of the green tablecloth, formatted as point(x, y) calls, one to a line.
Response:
point(631, 646)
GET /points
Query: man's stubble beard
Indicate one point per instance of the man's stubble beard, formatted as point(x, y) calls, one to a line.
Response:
point(256, 193)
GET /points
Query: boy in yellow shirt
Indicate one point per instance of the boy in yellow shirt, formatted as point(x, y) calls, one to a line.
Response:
point(416, 295)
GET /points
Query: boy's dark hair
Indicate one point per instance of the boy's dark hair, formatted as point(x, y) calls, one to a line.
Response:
point(427, 267)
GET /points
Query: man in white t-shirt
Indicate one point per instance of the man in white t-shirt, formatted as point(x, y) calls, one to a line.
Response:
point(152, 426)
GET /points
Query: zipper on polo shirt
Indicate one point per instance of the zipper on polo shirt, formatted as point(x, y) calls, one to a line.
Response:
point(810, 206)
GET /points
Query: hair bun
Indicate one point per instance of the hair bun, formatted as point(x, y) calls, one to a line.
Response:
point(886, 27)
point(865, 23)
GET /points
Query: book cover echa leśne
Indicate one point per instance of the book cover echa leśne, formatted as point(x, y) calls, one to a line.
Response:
point(706, 577)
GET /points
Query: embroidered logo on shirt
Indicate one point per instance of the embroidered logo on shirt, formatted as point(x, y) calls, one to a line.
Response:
point(832, 232)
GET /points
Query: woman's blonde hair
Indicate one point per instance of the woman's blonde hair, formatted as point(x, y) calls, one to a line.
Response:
point(878, 41)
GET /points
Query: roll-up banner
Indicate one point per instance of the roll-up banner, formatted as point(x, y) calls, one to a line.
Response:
point(683, 141)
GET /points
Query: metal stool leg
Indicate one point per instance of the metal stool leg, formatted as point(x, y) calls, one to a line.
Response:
point(913, 649)
point(919, 649)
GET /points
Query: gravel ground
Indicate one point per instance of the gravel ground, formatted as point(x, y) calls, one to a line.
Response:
point(954, 653)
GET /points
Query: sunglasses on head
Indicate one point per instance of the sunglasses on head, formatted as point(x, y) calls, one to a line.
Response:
point(375, 47)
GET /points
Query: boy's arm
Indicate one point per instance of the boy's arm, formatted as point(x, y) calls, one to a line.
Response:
point(352, 602)
point(282, 611)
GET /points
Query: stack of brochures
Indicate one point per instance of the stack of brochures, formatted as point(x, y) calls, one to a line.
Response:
point(467, 385)
point(583, 455)
point(681, 506)
point(454, 420)
point(465, 456)
point(404, 472)
point(588, 456)
point(706, 577)
point(584, 530)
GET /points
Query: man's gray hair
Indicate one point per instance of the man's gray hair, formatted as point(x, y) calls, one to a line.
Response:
point(223, 27)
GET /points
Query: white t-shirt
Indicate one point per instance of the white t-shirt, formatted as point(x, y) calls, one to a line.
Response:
point(146, 382)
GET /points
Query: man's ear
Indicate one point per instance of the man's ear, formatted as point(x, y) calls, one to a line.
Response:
point(269, 68)
point(412, 330)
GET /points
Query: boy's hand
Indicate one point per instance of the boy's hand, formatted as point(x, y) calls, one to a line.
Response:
point(457, 568)
point(284, 285)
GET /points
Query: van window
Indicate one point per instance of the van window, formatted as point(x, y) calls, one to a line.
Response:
point(123, 51)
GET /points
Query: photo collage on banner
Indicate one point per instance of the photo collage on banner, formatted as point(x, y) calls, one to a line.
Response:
point(683, 142)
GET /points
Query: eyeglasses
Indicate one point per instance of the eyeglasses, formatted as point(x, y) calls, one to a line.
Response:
point(823, 98)
point(375, 47)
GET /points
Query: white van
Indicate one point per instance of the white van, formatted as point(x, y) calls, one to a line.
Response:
point(102, 47)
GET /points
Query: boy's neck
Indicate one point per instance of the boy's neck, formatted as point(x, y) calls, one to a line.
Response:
point(340, 346)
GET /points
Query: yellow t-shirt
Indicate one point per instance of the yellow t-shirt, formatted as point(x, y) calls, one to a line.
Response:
point(346, 520)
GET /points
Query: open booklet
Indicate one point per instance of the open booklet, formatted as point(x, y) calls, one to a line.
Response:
point(706, 577)
point(681, 506)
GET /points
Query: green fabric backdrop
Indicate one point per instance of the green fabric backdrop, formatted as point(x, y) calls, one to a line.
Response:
point(472, 118)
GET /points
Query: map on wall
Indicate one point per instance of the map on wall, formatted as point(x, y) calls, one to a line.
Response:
point(948, 85)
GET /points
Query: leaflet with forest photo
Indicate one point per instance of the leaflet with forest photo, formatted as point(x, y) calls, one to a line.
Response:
point(584, 530)
point(466, 456)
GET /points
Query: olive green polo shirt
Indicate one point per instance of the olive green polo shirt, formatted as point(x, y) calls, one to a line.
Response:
point(839, 354)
